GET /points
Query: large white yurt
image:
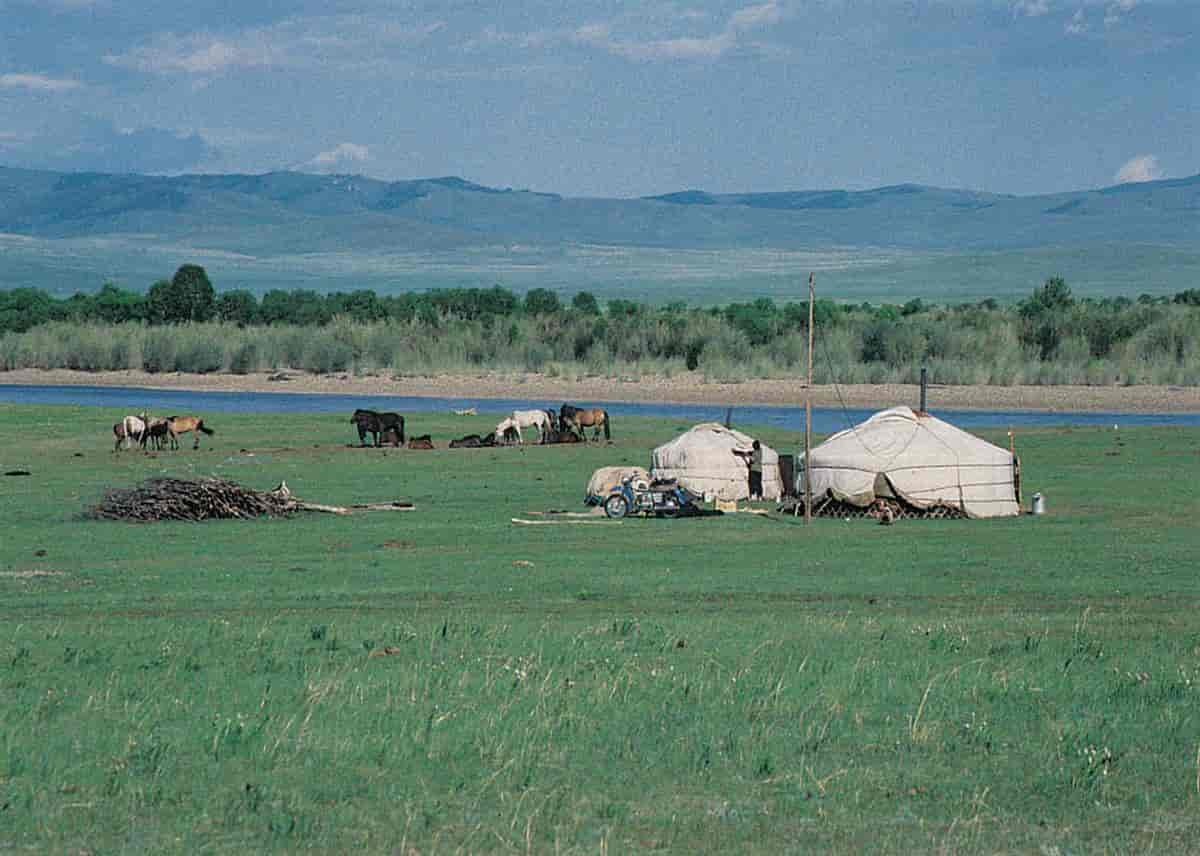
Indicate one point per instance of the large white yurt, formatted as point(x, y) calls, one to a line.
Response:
point(916, 458)
point(710, 459)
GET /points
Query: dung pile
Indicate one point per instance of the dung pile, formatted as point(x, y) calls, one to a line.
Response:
point(181, 499)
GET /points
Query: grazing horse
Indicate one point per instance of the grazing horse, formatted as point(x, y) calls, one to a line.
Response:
point(177, 425)
point(576, 419)
point(372, 422)
point(156, 433)
point(526, 419)
point(129, 430)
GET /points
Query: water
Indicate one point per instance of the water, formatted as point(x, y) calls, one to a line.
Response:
point(825, 419)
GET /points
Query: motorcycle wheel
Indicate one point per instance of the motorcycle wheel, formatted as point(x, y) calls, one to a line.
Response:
point(669, 511)
point(616, 507)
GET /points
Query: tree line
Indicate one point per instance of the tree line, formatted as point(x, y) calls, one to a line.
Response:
point(184, 324)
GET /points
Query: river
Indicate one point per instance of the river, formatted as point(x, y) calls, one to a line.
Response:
point(825, 419)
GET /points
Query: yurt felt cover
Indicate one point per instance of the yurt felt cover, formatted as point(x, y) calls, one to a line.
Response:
point(703, 461)
point(920, 459)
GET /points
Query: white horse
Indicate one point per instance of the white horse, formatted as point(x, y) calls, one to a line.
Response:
point(519, 419)
point(129, 430)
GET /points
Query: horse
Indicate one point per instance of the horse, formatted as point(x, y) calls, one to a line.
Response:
point(157, 432)
point(526, 419)
point(557, 436)
point(576, 419)
point(372, 422)
point(129, 430)
point(473, 441)
point(177, 425)
point(425, 441)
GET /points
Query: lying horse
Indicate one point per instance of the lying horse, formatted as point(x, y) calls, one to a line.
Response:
point(177, 425)
point(555, 436)
point(371, 422)
point(473, 441)
point(425, 441)
point(576, 419)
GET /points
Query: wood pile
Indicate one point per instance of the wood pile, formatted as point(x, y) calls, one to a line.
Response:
point(181, 499)
point(215, 499)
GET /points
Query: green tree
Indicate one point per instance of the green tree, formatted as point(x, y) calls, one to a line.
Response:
point(541, 301)
point(116, 305)
point(1053, 296)
point(189, 296)
point(585, 303)
point(237, 306)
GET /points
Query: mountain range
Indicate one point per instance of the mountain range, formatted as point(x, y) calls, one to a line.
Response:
point(65, 231)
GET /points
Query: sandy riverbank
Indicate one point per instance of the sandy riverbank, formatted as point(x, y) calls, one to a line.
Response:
point(680, 389)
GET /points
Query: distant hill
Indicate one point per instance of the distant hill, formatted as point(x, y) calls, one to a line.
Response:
point(71, 230)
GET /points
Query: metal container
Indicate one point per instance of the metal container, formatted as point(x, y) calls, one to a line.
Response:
point(1039, 504)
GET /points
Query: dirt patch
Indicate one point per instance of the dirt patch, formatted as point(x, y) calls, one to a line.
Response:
point(29, 575)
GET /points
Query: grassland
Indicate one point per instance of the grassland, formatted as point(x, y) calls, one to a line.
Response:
point(732, 684)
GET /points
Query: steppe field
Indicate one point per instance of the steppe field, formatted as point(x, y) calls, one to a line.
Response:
point(442, 681)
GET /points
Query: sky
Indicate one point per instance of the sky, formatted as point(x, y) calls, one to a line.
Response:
point(607, 98)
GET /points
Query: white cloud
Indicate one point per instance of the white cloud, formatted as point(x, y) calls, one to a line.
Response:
point(755, 16)
point(1140, 168)
point(1031, 8)
point(1116, 9)
point(1077, 25)
point(37, 82)
point(739, 24)
point(333, 40)
point(341, 155)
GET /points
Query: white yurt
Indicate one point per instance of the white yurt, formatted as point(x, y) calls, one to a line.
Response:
point(710, 459)
point(916, 458)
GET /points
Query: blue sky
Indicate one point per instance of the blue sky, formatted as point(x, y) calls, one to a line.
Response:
point(605, 98)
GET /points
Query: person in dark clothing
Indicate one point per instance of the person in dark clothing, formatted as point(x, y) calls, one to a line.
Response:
point(756, 471)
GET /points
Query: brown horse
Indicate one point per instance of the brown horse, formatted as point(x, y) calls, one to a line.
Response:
point(177, 425)
point(156, 433)
point(576, 419)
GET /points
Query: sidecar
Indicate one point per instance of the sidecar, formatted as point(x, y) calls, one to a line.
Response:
point(664, 498)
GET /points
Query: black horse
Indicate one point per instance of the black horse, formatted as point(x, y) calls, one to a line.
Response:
point(473, 441)
point(555, 435)
point(371, 422)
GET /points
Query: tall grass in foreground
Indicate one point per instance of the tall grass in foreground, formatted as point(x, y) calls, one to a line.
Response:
point(470, 732)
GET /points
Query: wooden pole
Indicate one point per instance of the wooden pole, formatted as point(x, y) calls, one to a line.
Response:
point(808, 410)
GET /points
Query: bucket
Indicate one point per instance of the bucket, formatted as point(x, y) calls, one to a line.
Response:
point(1039, 504)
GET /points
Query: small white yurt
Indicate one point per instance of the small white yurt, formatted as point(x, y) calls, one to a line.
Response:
point(710, 459)
point(918, 459)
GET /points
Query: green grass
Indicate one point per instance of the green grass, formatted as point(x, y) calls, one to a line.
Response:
point(735, 683)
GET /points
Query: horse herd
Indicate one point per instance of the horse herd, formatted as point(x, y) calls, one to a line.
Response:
point(157, 433)
point(567, 425)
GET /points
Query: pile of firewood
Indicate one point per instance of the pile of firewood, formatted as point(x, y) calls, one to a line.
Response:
point(180, 499)
point(215, 499)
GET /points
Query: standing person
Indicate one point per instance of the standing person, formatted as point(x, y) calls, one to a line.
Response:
point(756, 471)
